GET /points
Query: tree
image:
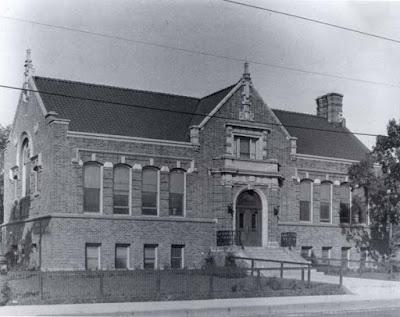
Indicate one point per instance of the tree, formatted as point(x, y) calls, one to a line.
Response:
point(379, 176)
point(4, 133)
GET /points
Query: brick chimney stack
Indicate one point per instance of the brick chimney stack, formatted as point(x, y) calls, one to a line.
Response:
point(330, 107)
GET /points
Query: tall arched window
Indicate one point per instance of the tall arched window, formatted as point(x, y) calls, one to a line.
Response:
point(177, 192)
point(325, 202)
point(26, 171)
point(91, 187)
point(305, 200)
point(121, 189)
point(345, 198)
point(150, 191)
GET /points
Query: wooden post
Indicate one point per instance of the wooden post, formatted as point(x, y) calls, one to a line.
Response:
point(281, 269)
point(101, 284)
point(252, 267)
point(391, 269)
point(41, 285)
point(302, 274)
point(211, 285)
point(309, 274)
point(341, 276)
point(259, 280)
point(158, 284)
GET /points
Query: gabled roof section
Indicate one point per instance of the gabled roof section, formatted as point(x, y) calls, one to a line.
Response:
point(316, 136)
point(118, 111)
point(207, 104)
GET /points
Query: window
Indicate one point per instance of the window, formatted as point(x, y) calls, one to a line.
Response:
point(121, 189)
point(149, 191)
point(305, 200)
point(245, 147)
point(326, 254)
point(26, 170)
point(150, 256)
point(325, 202)
point(93, 256)
point(91, 187)
point(176, 193)
point(306, 252)
point(345, 256)
point(177, 256)
point(345, 197)
point(122, 256)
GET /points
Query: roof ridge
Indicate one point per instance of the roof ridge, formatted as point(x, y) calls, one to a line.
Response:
point(297, 112)
point(218, 91)
point(116, 87)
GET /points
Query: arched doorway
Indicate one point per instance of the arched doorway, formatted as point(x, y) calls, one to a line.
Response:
point(248, 218)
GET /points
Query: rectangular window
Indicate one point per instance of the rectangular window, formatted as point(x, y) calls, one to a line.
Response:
point(305, 200)
point(176, 193)
point(326, 254)
point(121, 189)
point(325, 203)
point(345, 256)
point(91, 187)
point(177, 256)
point(150, 256)
point(345, 197)
point(306, 252)
point(92, 256)
point(149, 191)
point(122, 256)
point(245, 147)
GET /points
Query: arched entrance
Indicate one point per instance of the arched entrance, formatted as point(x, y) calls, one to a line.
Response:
point(248, 218)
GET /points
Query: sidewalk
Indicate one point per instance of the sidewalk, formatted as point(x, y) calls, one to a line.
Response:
point(372, 295)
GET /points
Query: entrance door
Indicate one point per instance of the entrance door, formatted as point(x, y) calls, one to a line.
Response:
point(248, 218)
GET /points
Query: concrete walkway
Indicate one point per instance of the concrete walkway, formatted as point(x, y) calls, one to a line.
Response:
point(371, 295)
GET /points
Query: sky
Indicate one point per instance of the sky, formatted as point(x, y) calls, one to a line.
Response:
point(218, 28)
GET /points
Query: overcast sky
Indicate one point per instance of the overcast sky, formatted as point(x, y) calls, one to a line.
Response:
point(219, 28)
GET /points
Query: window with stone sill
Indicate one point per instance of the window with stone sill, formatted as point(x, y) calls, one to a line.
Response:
point(121, 189)
point(245, 147)
point(305, 200)
point(325, 202)
point(91, 187)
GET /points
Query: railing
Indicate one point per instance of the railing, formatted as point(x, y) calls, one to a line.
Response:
point(281, 268)
point(228, 237)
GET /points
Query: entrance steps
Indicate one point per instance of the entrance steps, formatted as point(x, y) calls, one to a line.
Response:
point(271, 252)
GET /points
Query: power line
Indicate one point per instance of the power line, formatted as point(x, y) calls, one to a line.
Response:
point(178, 111)
point(314, 21)
point(203, 53)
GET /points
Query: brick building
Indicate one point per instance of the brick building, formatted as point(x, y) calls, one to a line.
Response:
point(106, 177)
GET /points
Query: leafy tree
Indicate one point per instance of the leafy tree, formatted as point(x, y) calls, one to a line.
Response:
point(379, 176)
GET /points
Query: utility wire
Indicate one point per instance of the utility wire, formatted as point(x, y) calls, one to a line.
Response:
point(314, 21)
point(178, 111)
point(203, 53)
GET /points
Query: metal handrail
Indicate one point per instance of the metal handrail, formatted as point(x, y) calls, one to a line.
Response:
point(270, 260)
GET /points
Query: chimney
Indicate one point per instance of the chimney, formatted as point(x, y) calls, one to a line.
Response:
point(330, 107)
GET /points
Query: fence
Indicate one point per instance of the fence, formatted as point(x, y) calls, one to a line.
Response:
point(356, 268)
point(32, 287)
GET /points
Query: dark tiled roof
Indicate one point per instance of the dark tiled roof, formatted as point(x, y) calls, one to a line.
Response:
point(325, 139)
point(118, 111)
point(148, 114)
point(208, 103)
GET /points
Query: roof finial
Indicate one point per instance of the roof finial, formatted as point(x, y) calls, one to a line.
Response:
point(28, 65)
point(27, 74)
point(246, 73)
